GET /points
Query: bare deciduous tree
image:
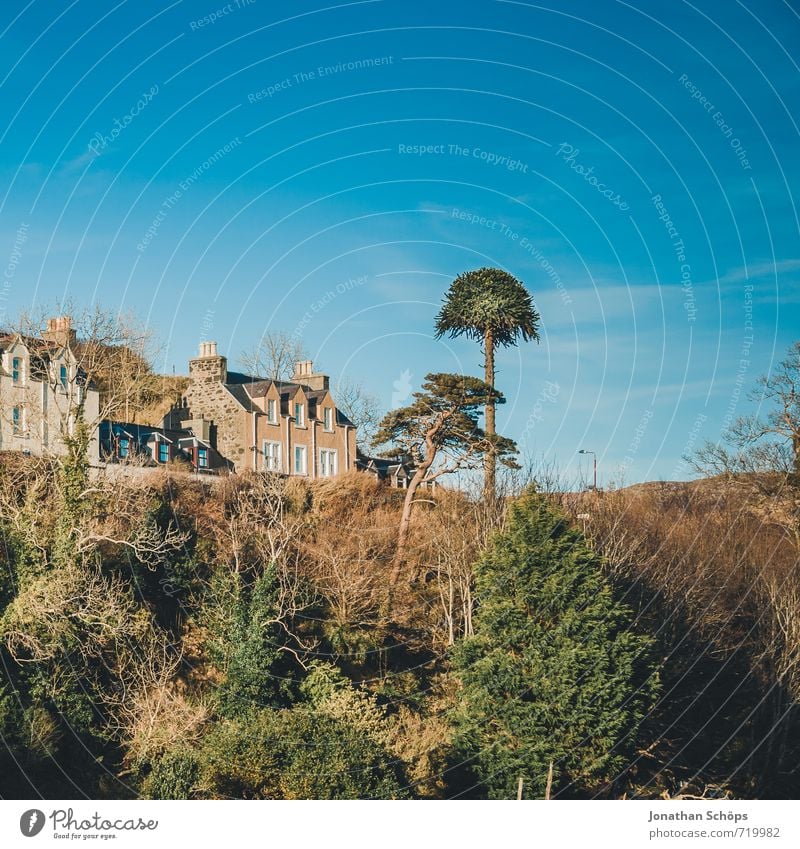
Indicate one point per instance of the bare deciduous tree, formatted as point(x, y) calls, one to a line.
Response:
point(145, 707)
point(762, 456)
point(77, 606)
point(342, 569)
point(362, 408)
point(122, 515)
point(274, 357)
point(110, 351)
point(259, 531)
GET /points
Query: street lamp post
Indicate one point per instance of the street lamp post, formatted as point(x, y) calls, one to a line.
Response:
point(594, 455)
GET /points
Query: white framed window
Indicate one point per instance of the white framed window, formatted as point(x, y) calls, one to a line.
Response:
point(272, 456)
point(299, 415)
point(63, 376)
point(327, 462)
point(300, 464)
point(202, 458)
point(18, 420)
point(327, 418)
point(272, 410)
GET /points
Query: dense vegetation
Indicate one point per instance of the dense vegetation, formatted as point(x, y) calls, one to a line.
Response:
point(263, 638)
point(166, 637)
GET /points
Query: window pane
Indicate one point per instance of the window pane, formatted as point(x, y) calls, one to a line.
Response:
point(272, 456)
point(327, 462)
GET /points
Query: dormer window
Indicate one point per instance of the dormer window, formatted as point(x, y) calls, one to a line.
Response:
point(63, 377)
point(299, 415)
point(16, 370)
point(327, 418)
point(163, 452)
point(272, 411)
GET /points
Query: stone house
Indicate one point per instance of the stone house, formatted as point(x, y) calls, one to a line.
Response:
point(41, 388)
point(394, 471)
point(258, 424)
point(149, 447)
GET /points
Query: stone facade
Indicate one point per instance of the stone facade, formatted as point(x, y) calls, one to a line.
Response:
point(41, 389)
point(293, 428)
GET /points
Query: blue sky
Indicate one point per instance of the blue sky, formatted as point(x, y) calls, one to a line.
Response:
point(327, 170)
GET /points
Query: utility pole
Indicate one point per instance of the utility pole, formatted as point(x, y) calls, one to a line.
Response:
point(594, 455)
point(519, 789)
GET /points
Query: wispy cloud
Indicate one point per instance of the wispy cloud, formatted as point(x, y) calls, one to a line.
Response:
point(759, 270)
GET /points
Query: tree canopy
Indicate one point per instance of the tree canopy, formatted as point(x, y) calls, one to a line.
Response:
point(439, 432)
point(488, 299)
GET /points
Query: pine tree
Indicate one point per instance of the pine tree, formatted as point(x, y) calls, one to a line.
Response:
point(554, 671)
point(440, 433)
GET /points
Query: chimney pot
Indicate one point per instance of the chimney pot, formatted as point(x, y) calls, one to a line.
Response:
point(59, 330)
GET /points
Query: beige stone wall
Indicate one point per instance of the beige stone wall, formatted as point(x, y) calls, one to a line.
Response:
point(313, 436)
point(239, 431)
point(211, 400)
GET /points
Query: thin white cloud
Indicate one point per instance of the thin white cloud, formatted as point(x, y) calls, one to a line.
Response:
point(758, 270)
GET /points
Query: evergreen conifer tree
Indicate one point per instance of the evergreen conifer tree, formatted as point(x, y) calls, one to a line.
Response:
point(554, 671)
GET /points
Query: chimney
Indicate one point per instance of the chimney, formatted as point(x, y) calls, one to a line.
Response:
point(201, 428)
point(209, 365)
point(59, 330)
point(304, 375)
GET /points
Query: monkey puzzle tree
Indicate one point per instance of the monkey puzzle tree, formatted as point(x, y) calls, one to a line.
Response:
point(439, 432)
point(491, 306)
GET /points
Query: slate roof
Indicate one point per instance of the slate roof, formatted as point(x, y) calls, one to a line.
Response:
point(384, 467)
point(239, 392)
point(246, 387)
point(142, 435)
